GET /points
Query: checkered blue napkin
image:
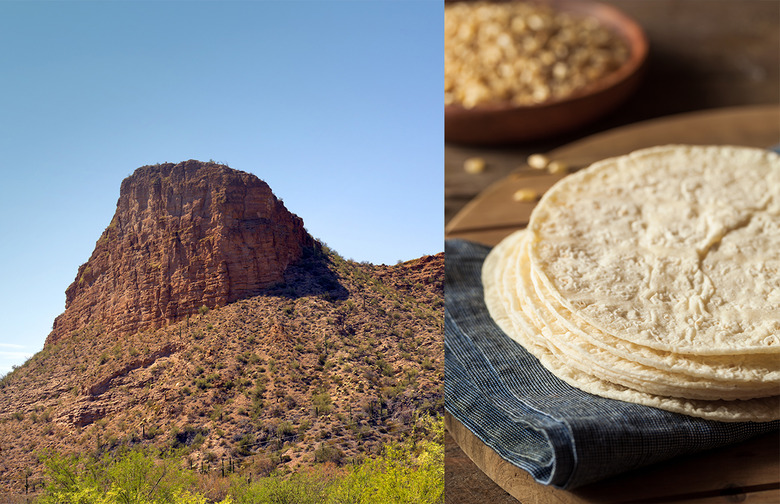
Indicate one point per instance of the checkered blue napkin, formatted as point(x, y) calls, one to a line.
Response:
point(562, 436)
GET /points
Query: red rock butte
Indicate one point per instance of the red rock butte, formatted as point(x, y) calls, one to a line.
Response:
point(183, 236)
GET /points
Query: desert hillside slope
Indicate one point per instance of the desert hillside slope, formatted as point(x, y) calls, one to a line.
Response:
point(327, 361)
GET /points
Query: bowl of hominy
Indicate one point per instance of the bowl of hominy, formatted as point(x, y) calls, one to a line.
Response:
point(527, 70)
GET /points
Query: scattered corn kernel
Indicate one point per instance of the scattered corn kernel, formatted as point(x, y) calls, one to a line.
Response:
point(557, 167)
point(538, 161)
point(525, 195)
point(474, 165)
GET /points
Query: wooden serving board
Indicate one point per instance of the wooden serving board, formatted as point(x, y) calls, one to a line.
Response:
point(745, 472)
point(748, 472)
point(493, 214)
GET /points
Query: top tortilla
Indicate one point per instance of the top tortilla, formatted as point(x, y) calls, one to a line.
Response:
point(676, 248)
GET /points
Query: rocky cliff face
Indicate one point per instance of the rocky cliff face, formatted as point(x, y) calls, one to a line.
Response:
point(183, 236)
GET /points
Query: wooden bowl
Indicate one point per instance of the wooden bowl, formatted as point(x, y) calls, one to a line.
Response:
point(494, 124)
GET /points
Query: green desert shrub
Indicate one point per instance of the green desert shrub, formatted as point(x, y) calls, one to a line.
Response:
point(408, 473)
point(321, 403)
point(306, 487)
point(400, 476)
point(326, 453)
point(131, 477)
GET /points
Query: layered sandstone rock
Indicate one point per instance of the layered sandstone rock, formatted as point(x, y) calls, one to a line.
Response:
point(183, 236)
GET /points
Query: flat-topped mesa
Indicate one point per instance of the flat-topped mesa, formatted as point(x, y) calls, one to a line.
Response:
point(183, 236)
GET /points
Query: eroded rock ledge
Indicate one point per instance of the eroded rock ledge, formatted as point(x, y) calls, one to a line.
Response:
point(183, 236)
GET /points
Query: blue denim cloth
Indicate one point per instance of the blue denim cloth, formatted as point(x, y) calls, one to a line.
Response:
point(562, 436)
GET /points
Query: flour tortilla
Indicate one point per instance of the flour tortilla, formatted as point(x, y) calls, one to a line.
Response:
point(518, 326)
point(580, 352)
point(674, 248)
point(757, 368)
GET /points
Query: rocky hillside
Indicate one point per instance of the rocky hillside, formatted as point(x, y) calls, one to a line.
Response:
point(311, 359)
point(183, 236)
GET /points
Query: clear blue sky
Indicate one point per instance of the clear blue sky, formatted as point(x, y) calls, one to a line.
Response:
point(335, 104)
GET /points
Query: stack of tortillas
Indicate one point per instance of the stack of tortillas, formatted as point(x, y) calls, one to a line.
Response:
point(654, 278)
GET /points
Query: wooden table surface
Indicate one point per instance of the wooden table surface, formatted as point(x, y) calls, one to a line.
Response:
point(704, 55)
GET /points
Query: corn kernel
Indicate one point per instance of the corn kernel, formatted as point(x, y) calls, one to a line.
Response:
point(557, 167)
point(525, 195)
point(474, 165)
point(538, 161)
